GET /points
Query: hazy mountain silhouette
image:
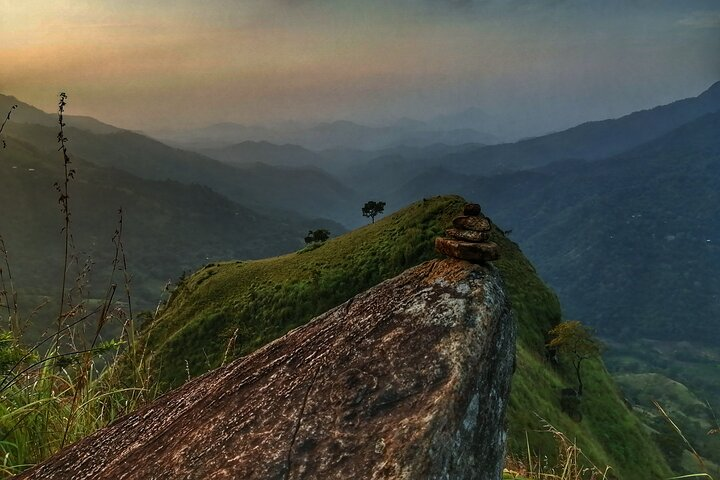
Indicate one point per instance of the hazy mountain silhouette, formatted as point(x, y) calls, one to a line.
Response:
point(629, 242)
point(250, 152)
point(169, 226)
point(591, 140)
point(330, 135)
point(305, 190)
point(26, 113)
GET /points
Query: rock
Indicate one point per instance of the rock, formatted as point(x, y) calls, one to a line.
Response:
point(472, 252)
point(476, 224)
point(467, 235)
point(469, 239)
point(408, 380)
point(472, 209)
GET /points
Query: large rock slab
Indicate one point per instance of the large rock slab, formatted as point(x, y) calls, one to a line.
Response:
point(408, 380)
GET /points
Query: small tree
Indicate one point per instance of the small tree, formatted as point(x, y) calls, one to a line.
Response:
point(319, 235)
point(372, 209)
point(574, 340)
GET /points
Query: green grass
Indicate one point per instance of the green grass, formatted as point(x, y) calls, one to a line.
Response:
point(230, 309)
point(49, 402)
point(682, 377)
point(250, 303)
point(692, 415)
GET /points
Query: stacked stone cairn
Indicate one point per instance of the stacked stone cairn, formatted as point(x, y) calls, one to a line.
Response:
point(469, 237)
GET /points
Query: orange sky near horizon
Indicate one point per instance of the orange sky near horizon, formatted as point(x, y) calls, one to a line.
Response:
point(162, 64)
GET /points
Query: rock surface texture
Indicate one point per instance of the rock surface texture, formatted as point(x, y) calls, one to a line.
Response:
point(408, 380)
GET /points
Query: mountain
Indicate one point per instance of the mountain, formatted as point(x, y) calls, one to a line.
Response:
point(250, 152)
point(409, 123)
point(628, 242)
point(169, 227)
point(347, 165)
point(233, 308)
point(470, 118)
point(218, 135)
point(347, 134)
point(28, 114)
point(590, 141)
point(308, 191)
point(328, 135)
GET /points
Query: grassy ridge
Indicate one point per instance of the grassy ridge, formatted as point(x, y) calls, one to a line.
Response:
point(247, 304)
point(230, 309)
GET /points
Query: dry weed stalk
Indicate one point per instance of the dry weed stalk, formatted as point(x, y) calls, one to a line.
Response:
point(572, 463)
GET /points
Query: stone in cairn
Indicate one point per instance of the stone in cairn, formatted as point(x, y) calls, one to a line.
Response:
point(468, 239)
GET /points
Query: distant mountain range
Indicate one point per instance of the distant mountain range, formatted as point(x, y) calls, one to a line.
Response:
point(619, 216)
point(601, 208)
point(591, 140)
point(311, 192)
point(30, 115)
point(629, 242)
point(170, 227)
point(249, 152)
point(332, 135)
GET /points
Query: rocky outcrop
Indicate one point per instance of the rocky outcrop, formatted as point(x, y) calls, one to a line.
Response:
point(408, 380)
point(468, 240)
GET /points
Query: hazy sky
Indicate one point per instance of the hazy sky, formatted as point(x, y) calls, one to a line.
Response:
point(152, 64)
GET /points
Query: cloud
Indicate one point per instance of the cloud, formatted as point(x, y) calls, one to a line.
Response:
point(701, 20)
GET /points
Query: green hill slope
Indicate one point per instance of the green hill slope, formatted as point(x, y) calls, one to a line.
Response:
point(229, 309)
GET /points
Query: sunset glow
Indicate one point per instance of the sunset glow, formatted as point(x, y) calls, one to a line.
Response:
point(162, 64)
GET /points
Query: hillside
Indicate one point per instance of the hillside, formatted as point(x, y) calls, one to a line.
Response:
point(249, 152)
point(594, 140)
point(308, 191)
point(688, 411)
point(233, 308)
point(168, 227)
point(28, 114)
point(627, 242)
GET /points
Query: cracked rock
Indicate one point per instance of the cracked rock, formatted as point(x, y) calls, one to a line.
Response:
point(408, 380)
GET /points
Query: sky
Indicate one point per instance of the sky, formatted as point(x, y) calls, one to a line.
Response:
point(171, 64)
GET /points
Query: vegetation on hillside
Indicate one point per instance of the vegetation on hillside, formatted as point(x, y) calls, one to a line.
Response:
point(169, 227)
point(58, 390)
point(230, 309)
point(576, 342)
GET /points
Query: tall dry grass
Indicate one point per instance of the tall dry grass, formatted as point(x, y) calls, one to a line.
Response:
point(66, 386)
